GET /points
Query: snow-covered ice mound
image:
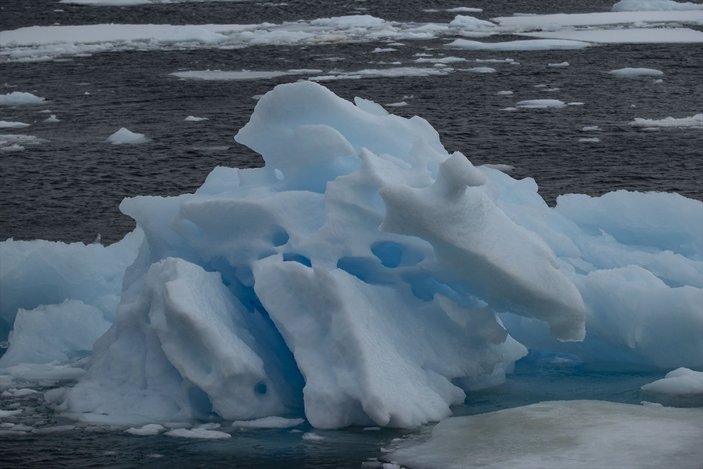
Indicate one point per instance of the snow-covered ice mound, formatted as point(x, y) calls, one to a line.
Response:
point(357, 279)
point(574, 434)
point(125, 136)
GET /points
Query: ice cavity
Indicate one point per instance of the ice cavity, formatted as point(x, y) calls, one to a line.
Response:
point(356, 278)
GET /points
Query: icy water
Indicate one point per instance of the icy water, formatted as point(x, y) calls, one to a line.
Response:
point(69, 187)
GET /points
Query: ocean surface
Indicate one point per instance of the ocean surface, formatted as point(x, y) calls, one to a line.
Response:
point(68, 186)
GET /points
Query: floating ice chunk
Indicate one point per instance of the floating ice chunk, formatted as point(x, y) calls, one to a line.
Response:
point(464, 10)
point(505, 93)
point(349, 21)
point(20, 98)
point(397, 104)
point(17, 142)
point(125, 136)
point(540, 104)
point(481, 70)
point(268, 422)
point(199, 433)
point(654, 5)
point(630, 72)
point(565, 21)
point(188, 33)
point(52, 119)
point(310, 436)
point(13, 125)
point(9, 413)
point(219, 75)
point(591, 128)
point(379, 50)
point(385, 73)
point(470, 23)
point(694, 122)
point(149, 429)
point(680, 382)
point(558, 65)
point(589, 140)
point(440, 60)
point(54, 333)
point(625, 36)
point(195, 119)
point(524, 45)
point(579, 434)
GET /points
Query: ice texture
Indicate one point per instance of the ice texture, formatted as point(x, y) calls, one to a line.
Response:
point(693, 122)
point(363, 276)
point(551, 435)
point(680, 382)
point(20, 98)
point(632, 72)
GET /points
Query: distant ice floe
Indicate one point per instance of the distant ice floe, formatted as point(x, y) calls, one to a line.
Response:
point(481, 70)
point(149, 429)
point(20, 98)
point(520, 45)
point(625, 36)
point(655, 5)
point(558, 434)
point(385, 73)
point(695, 122)
point(630, 72)
point(237, 75)
point(558, 65)
point(541, 104)
point(680, 382)
point(464, 10)
point(558, 21)
point(125, 136)
point(195, 119)
point(18, 142)
point(13, 125)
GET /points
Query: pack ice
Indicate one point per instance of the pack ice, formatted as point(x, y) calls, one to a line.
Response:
point(363, 276)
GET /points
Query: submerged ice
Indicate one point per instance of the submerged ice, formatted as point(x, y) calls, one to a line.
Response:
point(363, 276)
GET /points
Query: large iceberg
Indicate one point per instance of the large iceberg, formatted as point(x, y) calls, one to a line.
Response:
point(363, 276)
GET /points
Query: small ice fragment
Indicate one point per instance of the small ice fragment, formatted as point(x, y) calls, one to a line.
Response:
point(591, 128)
point(198, 433)
point(630, 72)
point(589, 140)
point(146, 430)
point(125, 136)
point(505, 93)
point(195, 119)
point(694, 122)
point(559, 65)
point(310, 436)
point(52, 118)
point(541, 104)
point(13, 125)
point(680, 382)
point(20, 98)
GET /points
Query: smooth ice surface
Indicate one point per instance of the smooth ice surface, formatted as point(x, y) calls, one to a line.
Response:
point(632, 72)
point(541, 103)
point(680, 382)
point(363, 276)
point(578, 434)
point(20, 98)
point(655, 5)
point(694, 122)
point(125, 136)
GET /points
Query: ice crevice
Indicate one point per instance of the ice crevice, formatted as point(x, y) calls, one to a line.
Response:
point(363, 276)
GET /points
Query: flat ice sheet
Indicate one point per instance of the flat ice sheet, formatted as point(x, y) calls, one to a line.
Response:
point(522, 45)
point(237, 75)
point(562, 20)
point(558, 434)
point(625, 36)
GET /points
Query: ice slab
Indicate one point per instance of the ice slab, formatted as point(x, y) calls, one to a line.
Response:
point(655, 5)
point(20, 98)
point(577, 434)
point(632, 72)
point(680, 382)
point(125, 136)
point(520, 45)
point(694, 122)
point(564, 20)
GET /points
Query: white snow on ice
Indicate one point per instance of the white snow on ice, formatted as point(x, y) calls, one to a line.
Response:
point(125, 136)
point(633, 72)
point(693, 122)
point(20, 98)
point(680, 382)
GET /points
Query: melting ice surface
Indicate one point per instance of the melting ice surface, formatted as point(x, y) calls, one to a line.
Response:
point(363, 276)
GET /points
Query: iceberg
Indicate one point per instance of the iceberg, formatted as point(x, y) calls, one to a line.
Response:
point(363, 277)
point(125, 136)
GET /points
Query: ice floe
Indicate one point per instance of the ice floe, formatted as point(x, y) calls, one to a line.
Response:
point(18, 142)
point(680, 382)
point(20, 98)
point(519, 45)
point(541, 104)
point(694, 122)
point(195, 119)
point(625, 36)
point(633, 72)
point(149, 429)
point(235, 75)
point(384, 73)
point(655, 5)
point(125, 136)
point(575, 434)
point(198, 433)
point(13, 125)
point(268, 422)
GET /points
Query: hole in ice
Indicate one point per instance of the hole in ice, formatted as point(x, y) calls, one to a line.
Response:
point(280, 236)
point(424, 287)
point(260, 388)
point(295, 257)
point(389, 253)
point(365, 269)
point(199, 401)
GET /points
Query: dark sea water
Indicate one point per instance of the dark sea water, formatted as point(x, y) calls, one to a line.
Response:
point(69, 188)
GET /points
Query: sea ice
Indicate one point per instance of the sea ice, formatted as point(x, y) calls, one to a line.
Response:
point(523, 45)
point(558, 65)
point(625, 36)
point(655, 5)
point(680, 382)
point(149, 429)
point(198, 433)
point(268, 422)
point(20, 98)
point(125, 136)
point(471, 23)
point(630, 72)
point(575, 434)
point(694, 122)
point(540, 104)
point(220, 75)
point(195, 119)
point(385, 73)
point(12, 125)
point(481, 70)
